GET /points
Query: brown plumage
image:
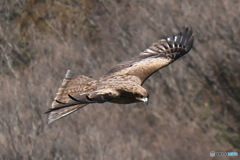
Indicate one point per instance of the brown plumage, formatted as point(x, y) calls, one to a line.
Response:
point(122, 84)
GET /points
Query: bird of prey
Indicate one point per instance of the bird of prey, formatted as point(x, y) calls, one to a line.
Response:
point(123, 83)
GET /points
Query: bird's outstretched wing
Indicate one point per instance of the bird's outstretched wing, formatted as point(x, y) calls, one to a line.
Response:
point(75, 93)
point(78, 101)
point(97, 96)
point(158, 55)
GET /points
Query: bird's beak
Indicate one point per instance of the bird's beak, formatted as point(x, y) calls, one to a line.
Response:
point(145, 99)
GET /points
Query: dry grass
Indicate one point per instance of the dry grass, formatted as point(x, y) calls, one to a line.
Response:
point(194, 103)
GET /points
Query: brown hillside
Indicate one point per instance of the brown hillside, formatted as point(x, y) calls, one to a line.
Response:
point(194, 103)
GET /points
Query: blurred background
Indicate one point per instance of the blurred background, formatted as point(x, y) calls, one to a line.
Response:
point(194, 105)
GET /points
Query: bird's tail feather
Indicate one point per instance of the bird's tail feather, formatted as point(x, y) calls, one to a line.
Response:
point(62, 112)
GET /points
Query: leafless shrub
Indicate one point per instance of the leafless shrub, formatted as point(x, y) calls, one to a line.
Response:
point(194, 103)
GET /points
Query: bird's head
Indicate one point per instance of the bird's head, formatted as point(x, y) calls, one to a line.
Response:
point(141, 95)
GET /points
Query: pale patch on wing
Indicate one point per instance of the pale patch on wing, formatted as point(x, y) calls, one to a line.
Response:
point(149, 65)
point(160, 47)
point(157, 62)
point(148, 51)
point(146, 67)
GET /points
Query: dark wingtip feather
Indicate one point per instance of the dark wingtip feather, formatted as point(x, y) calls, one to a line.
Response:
point(180, 44)
point(186, 36)
point(190, 44)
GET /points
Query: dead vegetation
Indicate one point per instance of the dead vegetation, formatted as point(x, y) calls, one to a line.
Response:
point(194, 103)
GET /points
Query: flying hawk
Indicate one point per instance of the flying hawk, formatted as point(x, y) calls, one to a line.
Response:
point(123, 83)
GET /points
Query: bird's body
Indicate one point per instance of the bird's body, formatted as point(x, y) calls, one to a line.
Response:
point(123, 83)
